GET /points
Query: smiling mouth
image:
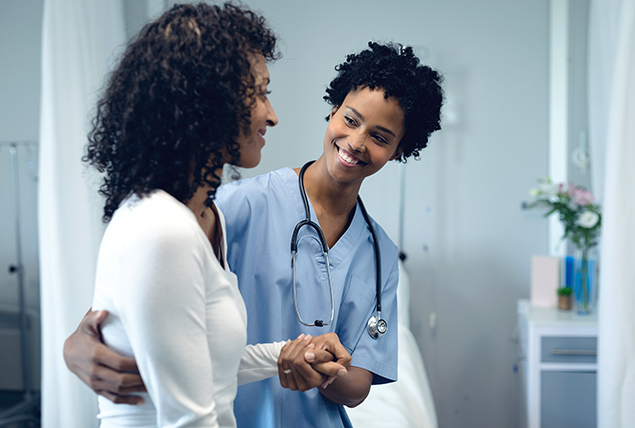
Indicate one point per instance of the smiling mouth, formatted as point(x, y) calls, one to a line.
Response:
point(347, 158)
point(261, 134)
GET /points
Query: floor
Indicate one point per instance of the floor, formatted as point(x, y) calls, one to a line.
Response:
point(26, 416)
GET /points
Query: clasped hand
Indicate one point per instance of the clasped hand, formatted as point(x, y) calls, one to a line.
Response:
point(308, 362)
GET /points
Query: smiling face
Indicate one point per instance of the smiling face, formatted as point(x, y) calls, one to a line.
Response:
point(363, 134)
point(262, 116)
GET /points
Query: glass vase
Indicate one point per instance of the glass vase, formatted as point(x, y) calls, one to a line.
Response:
point(585, 282)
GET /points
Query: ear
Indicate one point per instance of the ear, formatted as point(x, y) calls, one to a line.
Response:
point(397, 153)
point(333, 111)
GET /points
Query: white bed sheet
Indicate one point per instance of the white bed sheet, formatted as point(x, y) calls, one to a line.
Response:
point(407, 403)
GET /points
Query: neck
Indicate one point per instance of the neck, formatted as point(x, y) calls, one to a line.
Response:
point(335, 198)
point(334, 203)
point(208, 220)
point(197, 203)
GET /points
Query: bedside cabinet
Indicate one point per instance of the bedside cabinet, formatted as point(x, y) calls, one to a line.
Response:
point(559, 367)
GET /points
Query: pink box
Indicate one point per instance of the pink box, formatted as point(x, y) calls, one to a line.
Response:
point(545, 280)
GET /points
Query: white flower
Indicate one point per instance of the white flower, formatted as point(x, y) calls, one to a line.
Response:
point(550, 189)
point(534, 192)
point(587, 219)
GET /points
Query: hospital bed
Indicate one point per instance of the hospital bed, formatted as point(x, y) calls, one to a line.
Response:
point(408, 402)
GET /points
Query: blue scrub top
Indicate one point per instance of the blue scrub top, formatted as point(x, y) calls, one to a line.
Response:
point(261, 214)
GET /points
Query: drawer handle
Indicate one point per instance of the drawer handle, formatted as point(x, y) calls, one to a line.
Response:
point(574, 352)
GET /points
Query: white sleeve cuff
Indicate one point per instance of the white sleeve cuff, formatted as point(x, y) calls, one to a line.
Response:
point(259, 362)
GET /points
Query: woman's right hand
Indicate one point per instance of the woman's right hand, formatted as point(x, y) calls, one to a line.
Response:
point(107, 373)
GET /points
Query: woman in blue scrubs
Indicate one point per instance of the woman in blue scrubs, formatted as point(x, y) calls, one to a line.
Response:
point(385, 105)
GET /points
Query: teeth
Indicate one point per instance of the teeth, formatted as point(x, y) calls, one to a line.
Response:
point(347, 158)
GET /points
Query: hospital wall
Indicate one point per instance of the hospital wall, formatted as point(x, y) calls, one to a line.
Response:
point(467, 240)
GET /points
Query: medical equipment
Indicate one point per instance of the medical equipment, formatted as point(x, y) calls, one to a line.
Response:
point(376, 325)
point(27, 409)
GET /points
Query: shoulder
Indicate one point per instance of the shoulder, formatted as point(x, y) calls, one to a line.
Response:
point(154, 218)
point(255, 195)
point(253, 187)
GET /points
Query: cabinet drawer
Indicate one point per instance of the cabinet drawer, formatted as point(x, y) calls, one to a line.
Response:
point(569, 349)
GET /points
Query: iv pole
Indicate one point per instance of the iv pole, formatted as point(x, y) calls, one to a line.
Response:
point(402, 209)
point(24, 411)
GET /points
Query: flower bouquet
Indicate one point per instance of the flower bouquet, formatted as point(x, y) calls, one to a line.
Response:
point(582, 220)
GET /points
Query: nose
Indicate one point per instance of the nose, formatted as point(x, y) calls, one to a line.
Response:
point(357, 141)
point(272, 119)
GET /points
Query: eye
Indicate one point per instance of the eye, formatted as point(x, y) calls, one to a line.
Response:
point(350, 121)
point(380, 138)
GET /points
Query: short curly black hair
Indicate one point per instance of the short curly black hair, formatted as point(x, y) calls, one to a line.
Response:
point(172, 110)
point(397, 71)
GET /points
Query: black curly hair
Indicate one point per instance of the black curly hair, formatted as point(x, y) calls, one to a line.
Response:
point(397, 71)
point(174, 107)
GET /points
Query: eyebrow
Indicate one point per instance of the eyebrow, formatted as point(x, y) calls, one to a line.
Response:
point(361, 116)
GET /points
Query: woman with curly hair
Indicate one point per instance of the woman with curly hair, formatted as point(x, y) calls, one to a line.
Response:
point(189, 96)
point(384, 106)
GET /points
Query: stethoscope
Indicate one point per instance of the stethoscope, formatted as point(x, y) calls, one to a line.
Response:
point(376, 325)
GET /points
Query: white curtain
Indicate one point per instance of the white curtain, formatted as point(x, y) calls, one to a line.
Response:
point(603, 28)
point(612, 37)
point(80, 38)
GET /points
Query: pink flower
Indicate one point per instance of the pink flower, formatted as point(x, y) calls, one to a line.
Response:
point(571, 190)
point(582, 197)
point(579, 195)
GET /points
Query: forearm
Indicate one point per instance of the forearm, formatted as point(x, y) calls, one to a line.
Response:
point(259, 362)
point(350, 390)
point(107, 373)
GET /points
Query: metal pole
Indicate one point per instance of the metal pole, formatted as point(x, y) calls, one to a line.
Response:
point(24, 333)
point(26, 411)
point(402, 209)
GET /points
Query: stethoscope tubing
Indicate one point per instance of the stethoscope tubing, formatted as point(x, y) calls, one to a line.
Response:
point(325, 249)
point(316, 323)
point(377, 254)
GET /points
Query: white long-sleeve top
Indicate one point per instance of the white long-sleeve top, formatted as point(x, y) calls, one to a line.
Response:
point(178, 312)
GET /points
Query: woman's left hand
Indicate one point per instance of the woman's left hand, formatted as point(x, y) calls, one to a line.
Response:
point(329, 342)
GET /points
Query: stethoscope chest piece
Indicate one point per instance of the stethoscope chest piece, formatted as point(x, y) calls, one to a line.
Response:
point(377, 326)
